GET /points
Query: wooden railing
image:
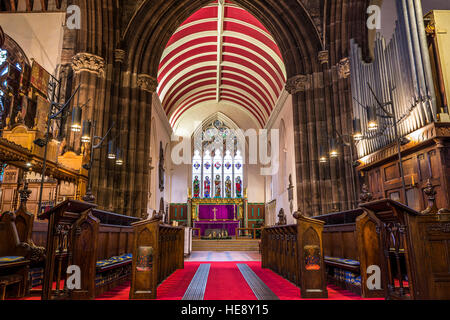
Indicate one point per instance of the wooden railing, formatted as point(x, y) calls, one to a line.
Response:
point(198, 235)
point(251, 230)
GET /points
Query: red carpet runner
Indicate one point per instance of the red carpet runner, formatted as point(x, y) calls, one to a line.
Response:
point(225, 282)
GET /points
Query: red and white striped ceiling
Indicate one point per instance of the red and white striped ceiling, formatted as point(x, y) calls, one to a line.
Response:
point(221, 53)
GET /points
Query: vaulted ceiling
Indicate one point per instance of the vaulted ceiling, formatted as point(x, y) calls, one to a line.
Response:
point(221, 54)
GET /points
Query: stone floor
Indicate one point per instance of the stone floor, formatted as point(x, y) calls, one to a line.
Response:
point(224, 256)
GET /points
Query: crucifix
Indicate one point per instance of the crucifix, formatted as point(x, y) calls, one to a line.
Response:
point(215, 211)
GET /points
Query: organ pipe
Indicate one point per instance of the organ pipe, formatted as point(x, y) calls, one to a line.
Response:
point(404, 65)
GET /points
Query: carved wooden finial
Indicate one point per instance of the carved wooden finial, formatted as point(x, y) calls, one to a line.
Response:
point(281, 218)
point(157, 215)
point(24, 195)
point(365, 195)
point(431, 197)
point(297, 215)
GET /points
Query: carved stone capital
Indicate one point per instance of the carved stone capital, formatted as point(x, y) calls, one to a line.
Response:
point(324, 56)
point(298, 84)
point(88, 62)
point(344, 68)
point(147, 83)
point(119, 55)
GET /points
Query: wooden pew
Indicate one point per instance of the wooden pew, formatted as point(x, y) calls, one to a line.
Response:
point(14, 264)
point(114, 250)
point(23, 223)
point(158, 251)
point(295, 252)
point(98, 242)
point(351, 245)
point(420, 241)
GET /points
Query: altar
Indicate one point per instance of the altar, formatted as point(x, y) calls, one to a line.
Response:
point(217, 217)
point(211, 215)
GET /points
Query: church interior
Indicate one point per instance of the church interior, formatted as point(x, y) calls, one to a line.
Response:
point(224, 150)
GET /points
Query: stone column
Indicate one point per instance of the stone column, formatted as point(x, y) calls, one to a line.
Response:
point(88, 70)
point(296, 86)
point(147, 85)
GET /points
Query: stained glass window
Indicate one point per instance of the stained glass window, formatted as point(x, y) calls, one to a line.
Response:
point(196, 174)
point(207, 175)
point(228, 175)
point(238, 175)
point(215, 176)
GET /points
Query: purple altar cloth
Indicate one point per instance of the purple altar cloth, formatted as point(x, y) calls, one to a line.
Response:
point(205, 212)
point(230, 226)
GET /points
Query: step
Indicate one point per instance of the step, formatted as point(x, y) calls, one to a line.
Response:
point(225, 245)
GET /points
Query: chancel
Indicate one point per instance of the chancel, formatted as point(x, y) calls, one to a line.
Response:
point(224, 150)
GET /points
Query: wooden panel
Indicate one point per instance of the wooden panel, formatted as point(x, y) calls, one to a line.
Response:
point(178, 212)
point(391, 172)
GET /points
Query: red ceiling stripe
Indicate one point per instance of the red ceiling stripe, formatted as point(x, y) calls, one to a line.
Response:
point(230, 76)
point(184, 46)
point(229, 69)
point(206, 58)
point(261, 67)
point(186, 90)
point(210, 93)
point(254, 58)
point(201, 27)
point(251, 46)
point(200, 89)
point(235, 101)
point(188, 106)
point(236, 27)
point(251, 66)
point(236, 94)
point(186, 76)
point(182, 83)
point(204, 13)
point(188, 55)
point(241, 14)
point(239, 102)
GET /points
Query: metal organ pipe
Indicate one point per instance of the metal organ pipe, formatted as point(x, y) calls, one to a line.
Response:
point(426, 58)
point(404, 63)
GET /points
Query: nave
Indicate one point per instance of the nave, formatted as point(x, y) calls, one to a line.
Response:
point(226, 280)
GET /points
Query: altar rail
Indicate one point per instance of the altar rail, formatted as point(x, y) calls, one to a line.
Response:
point(158, 251)
point(295, 252)
point(253, 233)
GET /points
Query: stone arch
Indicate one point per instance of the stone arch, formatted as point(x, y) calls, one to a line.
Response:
point(288, 22)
